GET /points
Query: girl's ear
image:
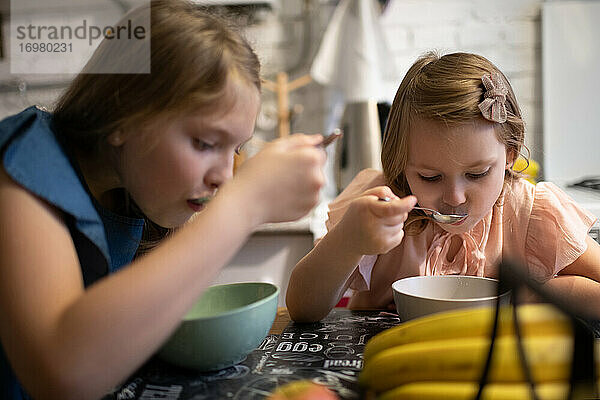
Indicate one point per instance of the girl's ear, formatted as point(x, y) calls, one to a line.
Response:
point(511, 157)
point(116, 138)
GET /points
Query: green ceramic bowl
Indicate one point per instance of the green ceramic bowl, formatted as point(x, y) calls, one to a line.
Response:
point(225, 324)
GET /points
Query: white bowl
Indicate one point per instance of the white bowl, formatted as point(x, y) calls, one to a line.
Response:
point(422, 295)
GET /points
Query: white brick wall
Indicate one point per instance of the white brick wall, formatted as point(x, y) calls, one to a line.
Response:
point(505, 31)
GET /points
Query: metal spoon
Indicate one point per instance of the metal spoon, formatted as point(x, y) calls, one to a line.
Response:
point(436, 215)
point(442, 218)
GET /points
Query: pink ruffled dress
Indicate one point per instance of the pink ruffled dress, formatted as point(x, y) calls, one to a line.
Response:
point(537, 224)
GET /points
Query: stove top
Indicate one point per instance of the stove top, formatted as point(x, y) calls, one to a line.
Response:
point(586, 192)
point(592, 183)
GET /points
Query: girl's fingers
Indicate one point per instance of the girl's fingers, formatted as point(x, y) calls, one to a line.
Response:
point(391, 237)
point(395, 220)
point(394, 207)
point(381, 192)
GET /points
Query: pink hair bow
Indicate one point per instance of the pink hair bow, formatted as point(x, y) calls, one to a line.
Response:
point(493, 105)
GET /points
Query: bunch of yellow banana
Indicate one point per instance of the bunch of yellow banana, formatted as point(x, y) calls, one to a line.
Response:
point(441, 356)
point(468, 391)
point(534, 320)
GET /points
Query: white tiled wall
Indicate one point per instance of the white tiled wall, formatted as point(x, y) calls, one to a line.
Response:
point(505, 31)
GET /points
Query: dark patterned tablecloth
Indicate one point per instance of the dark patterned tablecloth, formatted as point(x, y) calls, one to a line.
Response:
point(328, 352)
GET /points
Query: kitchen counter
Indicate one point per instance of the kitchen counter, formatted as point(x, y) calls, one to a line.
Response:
point(302, 226)
point(313, 223)
point(282, 319)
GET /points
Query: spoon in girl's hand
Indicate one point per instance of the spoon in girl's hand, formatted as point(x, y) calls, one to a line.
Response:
point(337, 133)
point(436, 215)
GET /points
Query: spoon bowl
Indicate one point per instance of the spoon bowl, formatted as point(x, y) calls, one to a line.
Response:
point(442, 218)
point(436, 215)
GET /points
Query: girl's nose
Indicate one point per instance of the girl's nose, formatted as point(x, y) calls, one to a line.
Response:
point(454, 195)
point(220, 172)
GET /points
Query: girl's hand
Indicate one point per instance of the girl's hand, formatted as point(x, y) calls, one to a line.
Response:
point(282, 182)
point(372, 226)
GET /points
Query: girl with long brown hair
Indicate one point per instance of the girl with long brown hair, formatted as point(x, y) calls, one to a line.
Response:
point(118, 208)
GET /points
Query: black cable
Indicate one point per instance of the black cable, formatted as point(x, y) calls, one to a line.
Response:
point(522, 355)
point(582, 381)
point(488, 361)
